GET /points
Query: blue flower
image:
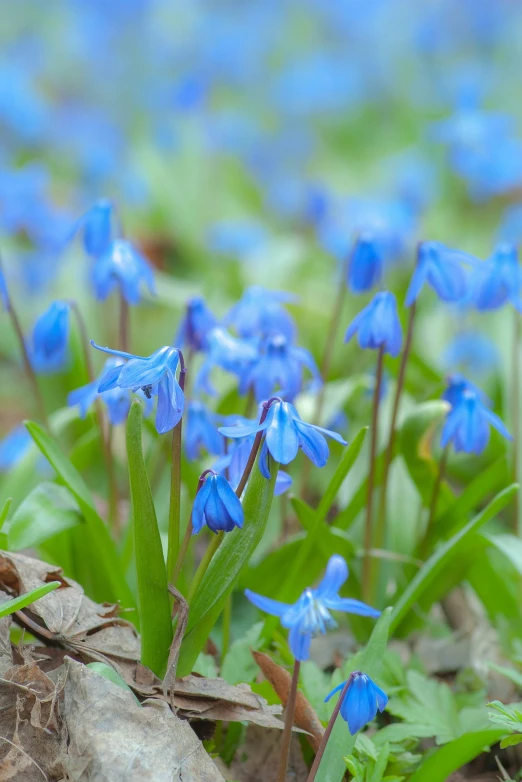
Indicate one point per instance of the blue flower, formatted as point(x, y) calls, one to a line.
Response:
point(96, 225)
point(471, 352)
point(440, 267)
point(457, 384)
point(217, 506)
point(498, 280)
point(117, 400)
point(259, 314)
point(201, 432)
point(310, 615)
point(468, 423)
point(378, 325)
point(48, 345)
point(195, 325)
point(4, 293)
point(121, 266)
point(155, 375)
point(13, 447)
point(361, 702)
point(366, 263)
point(285, 433)
point(237, 239)
point(227, 352)
point(279, 367)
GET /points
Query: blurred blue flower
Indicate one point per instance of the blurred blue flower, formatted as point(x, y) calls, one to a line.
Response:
point(48, 345)
point(227, 352)
point(13, 447)
point(217, 506)
point(279, 367)
point(378, 325)
point(97, 227)
point(4, 293)
point(310, 615)
point(471, 352)
point(259, 313)
point(457, 385)
point(366, 264)
point(197, 321)
point(155, 375)
point(497, 280)
point(468, 423)
point(237, 239)
point(285, 433)
point(200, 432)
point(440, 267)
point(362, 701)
point(121, 266)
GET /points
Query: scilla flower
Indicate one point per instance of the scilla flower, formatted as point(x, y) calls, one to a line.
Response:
point(498, 280)
point(14, 447)
point(311, 615)
point(457, 384)
point(96, 225)
point(366, 263)
point(155, 375)
point(121, 267)
point(378, 325)
point(362, 700)
point(48, 345)
point(196, 324)
point(285, 432)
point(468, 423)
point(442, 269)
point(279, 367)
point(227, 352)
point(259, 313)
point(200, 431)
point(216, 505)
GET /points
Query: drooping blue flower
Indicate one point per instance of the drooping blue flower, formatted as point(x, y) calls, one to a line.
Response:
point(96, 226)
point(117, 400)
point(497, 280)
point(310, 615)
point(286, 433)
point(378, 325)
point(121, 267)
point(259, 313)
point(279, 367)
point(361, 702)
point(457, 385)
point(366, 264)
point(197, 321)
point(155, 375)
point(217, 506)
point(471, 352)
point(13, 447)
point(48, 344)
point(468, 423)
point(226, 352)
point(441, 268)
point(200, 432)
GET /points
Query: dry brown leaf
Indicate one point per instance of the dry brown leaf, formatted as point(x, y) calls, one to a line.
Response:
point(111, 738)
point(280, 679)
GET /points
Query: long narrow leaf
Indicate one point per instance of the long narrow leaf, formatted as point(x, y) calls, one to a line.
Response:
point(442, 558)
point(153, 596)
point(22, 601)
point(439, 766)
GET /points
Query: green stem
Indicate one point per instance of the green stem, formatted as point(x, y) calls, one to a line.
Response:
point(327, 733)
point(368, 536)
point(289, 721)
point(434, 499)
point(173, 549)
point(515, 401)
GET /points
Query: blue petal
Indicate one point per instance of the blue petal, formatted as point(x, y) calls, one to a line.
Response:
point(283, 482)
point(334, 577)
point(84, 397)
point(313, 444)
point(170, 403)
point(350, 606)
point(499, 425)
point(110, 379)
point(263, 462)
point(300, 643)
point(242, 431)
point(382, 698)
point(266, 604)
point(216, 512)
point(336, 689)
point(281, 436)
point(356, 708)
point(198, 509)
point(146, 372)
point(230, 500)
point(417, 281)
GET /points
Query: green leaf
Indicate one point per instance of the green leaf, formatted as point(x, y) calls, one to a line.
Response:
point(415, 435)
point(22, 601)
point(424, 583)
point(449, 758)
point(239, 665)
point(511, 741)
point(5, 511)
point(341, 471)
point(46, 511)
point(153, 596)
point(341, 743)
point(225, 567)
point(510, 673)
point(94, 545)
point(108, 672)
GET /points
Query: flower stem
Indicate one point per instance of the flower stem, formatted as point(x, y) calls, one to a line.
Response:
point(289, 721)
point(368, 537)
point(515, 397)
point(173, 549)
point(435, 497)
point(327, 733)
point(182, 553)
point(381, 514)
point(124, 324)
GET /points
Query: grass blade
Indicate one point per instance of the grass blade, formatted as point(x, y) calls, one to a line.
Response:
point(439, 766)
point(22, 601)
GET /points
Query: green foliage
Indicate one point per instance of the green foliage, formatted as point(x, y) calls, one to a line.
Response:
point(22, 601)
point(153, 597)
point(47, 511)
